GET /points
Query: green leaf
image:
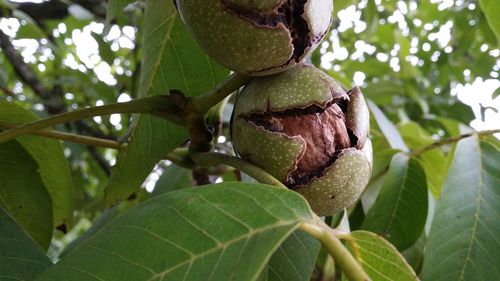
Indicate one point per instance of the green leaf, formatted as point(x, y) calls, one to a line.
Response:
point(383, 92)
point(370, 16)
point(400, 211)
point(23, 194)
point(463, 241)
point(173, 178)
point(342, 4)
point(295, 258)
point(491, 10)
point(381, 161)
point(172, 60)
point(371, 67)
point(20, 256)
point(434, 162)
point(30, 28)
point(226, 231)
point(107, 216)
point(495, 94)
point(105, 51)
point(53, 165)
point(388, 129)
point(115, 7)
point(380, 259)
point(415, 254)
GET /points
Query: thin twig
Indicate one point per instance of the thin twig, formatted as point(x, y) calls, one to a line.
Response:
point(450, 140)
point(204, 102)
point(209, 159)
point(7, 91)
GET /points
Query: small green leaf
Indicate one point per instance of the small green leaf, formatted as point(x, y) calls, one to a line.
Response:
point(171, 60)
point(495, 94)
point(463, 242)
point(388, 129)
point(295, 258)
point(370, 16)
point(173, 178)
point(53, 165)
point(342, 4)
point(20, 256)
point(226, 231)
point(23, 193)
point(105, 51)
point(491, 10)
point(380, 259)
point(29, 28)
point(400, 211)
point(115, 7)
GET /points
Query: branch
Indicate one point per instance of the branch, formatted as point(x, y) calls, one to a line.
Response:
point(20, 67)
point(52, 100)
point(71, 137)
point(160, 106)
point(101, 161)
point(57, 10)
point(451, 140)
point(7, 91)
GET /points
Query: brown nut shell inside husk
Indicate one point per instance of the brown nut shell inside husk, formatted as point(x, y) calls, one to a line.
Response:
point(300, 145)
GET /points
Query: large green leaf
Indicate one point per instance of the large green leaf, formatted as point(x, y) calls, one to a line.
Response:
point(171, 60)
point(295, 258)
point(400, 211)
point(463, 241)
point(491, 10)
point(53, 166)
point(380, 259)
point(23, 193)
point(20, 257)
point(226, 231)
point(106, 217)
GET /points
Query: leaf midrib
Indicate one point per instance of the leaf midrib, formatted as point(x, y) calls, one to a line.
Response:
point(400, 192)
point(476, 213)
point(227, 243)
point(162, 50)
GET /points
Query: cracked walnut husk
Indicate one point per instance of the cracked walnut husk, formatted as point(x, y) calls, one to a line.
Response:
point(302, 127)
point(257, 37)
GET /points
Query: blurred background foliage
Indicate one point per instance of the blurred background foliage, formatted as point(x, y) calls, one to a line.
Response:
point(430, 66)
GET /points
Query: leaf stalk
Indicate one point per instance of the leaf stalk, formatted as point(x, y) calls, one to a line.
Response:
point(328, 238)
